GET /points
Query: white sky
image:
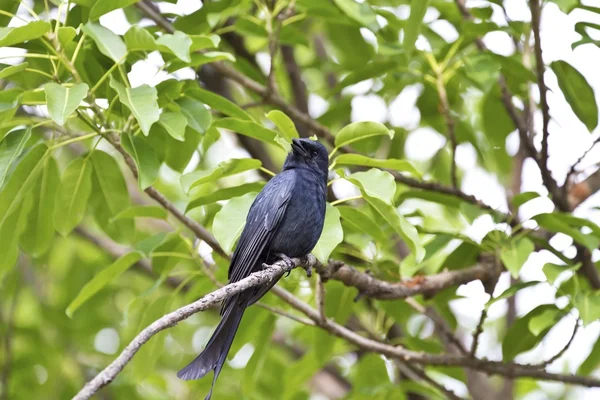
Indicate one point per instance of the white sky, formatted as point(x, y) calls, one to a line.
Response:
point(568, 140)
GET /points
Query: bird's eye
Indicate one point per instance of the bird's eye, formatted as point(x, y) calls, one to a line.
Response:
point(314, 153)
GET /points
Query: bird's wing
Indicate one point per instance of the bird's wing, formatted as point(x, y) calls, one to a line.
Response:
point(264, 217)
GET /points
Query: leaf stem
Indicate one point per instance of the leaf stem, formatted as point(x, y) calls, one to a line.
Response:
point(73, 140)
point(340, 201)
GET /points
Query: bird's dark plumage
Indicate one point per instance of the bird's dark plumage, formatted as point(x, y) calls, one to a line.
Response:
point(286, 218)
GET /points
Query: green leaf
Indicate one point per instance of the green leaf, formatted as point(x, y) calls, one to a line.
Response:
point(177, 43)
point(359, 131)
point(173, 243)
point(139, 39)
point(359, 12)
point(286, 127)
point(588, 305)
point(141, 211)
point(105, 6)
point(519, 338)
point(578, 92)
point(37, 238)
point(110, 197)
point(200, 42)
point(225, 168)
point(230, 220)
point(21, 181)
point(109, 44)
point(220, 103)
point(543, 321)
point(523, 198)
point(418, 8)
point(63, 101)
point(10, 70)
point(375, 183)
point(103, 278)
point(361, 222)
point(331, 236)
point(11, 147)
point(142, 101)
point(554, 223)
point(174, 124)
point(552, 271)
point(15, 205)
point(247, 128)
point(197, 115)
point(66, 34)
point(566, 6)
point(145, 159)
point(72, 195)
point(390, 163)
point(224, 194)
point(515, 254)
point(33, 30)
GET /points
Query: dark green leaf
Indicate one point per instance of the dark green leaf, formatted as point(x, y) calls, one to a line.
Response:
point(145, 158)
point(413, 26)
point(72, 195)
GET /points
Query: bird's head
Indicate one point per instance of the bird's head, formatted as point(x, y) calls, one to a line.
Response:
point(307, 153)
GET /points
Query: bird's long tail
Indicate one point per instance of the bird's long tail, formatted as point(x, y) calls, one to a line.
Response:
point(214, 355)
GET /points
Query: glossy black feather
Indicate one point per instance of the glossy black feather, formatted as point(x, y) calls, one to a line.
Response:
point(287, 218)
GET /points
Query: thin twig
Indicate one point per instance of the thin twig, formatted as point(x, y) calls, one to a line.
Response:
point(539, 66)
point(563, 350)
point(423, 375)
point(477, 332)
point(576, 164)
point(320, 296)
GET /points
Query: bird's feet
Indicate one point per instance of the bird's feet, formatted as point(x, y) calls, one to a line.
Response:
point(288, 262)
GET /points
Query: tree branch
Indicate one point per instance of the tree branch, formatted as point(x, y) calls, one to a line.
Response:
point(108, 374)
point(539, 66)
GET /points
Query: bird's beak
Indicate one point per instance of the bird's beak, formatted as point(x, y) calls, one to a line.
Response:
point(298, 148)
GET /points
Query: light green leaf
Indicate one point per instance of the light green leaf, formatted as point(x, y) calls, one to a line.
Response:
point(286, 126)
point(139, 39)
point(524, 197)
point(331, 236)
point(105, 6)
point(246, 128)
point(177, 43)
point(515, 254)
point(225, 168)
point(110, 197)
point(375, 183)
point(588, 305)
point(141, 211)
point(109, 44)
point(554, 223)
point(390, 163)
point(361, 222)
point(142, 101)
point(553, 271)
point(103, 278)
point(220, 103)
point(418, 8)
point(11, 147)
point(145, 159)
point(174, 124)
point(66, 34)
point(64, 100)
point(578, 92)
point(224, 194)
point(10, 70)
point(16, 35)
point(72, 195)
point(359, 131)
point(230, 220)
point(543, 321)
point(197, 115)
point(37, 238)
point(200, 42)
point(359, 12)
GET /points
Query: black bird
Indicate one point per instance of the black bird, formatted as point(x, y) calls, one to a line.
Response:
point(285, 220)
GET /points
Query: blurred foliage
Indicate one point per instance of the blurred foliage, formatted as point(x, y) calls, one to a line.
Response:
point(67, 305)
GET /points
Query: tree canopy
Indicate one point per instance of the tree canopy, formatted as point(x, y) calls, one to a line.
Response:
point(135, 134)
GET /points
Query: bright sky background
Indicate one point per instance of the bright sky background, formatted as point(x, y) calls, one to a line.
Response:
point(568, 140)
